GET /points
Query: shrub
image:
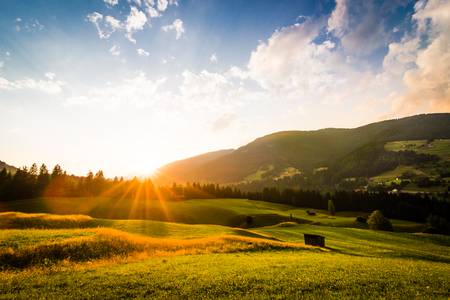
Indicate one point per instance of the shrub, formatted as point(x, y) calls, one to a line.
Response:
point(377, 221)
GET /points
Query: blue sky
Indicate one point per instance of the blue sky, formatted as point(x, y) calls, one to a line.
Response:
point(129, 85)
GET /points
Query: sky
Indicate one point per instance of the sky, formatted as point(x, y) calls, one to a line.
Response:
point(129, 85)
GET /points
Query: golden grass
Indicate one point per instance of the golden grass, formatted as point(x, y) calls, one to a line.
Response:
point(17, 220)
point(107, 243)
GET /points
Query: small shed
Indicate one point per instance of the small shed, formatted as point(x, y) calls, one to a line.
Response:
point(311, 212)
point(314, 240)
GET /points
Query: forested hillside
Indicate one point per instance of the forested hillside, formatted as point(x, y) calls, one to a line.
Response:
point(347, 151)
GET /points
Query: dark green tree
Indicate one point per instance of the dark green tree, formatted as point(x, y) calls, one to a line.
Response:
point(43, 179)
point(377, 221)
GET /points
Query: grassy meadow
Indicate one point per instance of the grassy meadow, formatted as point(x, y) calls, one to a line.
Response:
point(78, 256)
point(439, 147)
point(226, 212)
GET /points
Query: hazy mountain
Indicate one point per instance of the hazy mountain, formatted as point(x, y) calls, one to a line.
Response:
point(305, 150)
point(180, 170)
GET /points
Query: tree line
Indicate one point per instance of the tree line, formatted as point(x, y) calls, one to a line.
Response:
point(34, 182)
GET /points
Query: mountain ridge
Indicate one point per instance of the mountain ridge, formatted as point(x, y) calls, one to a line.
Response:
point(305, 150)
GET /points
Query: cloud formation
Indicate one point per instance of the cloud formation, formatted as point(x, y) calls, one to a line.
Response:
point(49, 86)
point(176, 26)
point(136, 21)
point(111, 2)
point(30, 25)
point(426, 77)
point(114, 50)
point(137, 90)
point(142, 52)
point(141, 11)
point(105, 25)
point(415, 77)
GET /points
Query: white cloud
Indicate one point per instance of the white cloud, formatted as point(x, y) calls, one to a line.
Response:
point(113, 22)
point(162, 5)
point(50, 75)
point(235, 72)
point(203, 83)
point(176, 26)
point(290, 63)
point(293, 67)
point(401, 56)
point(114, 50)
point(31, 25)
point(415, 78)
point(168, 59)
point(96, 19)
point(136, 21)
point(155, 9)
point(361, 26)
point(142, 52)
point(426, 70)
point(215, 93)
point(111, 2)
point(107, 25)
point(213, 58)
point(137, 90)
point(152, 12)
point(46, 86)
point(206, 93)
point(338, 21)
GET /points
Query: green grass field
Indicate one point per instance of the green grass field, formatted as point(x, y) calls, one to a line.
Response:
point(226, 212)
point(397, 173)
point(439, 147)
point(76, 256)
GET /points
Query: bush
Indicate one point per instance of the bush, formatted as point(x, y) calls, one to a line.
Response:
point(377, 221)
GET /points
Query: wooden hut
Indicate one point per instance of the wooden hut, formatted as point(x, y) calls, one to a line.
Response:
point(314, 240)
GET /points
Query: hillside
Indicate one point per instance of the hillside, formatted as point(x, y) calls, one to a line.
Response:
point(179, 170)
point(8, 168)
point(271, 155)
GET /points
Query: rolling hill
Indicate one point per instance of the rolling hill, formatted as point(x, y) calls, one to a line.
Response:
point(8, 168)
point(271, 155)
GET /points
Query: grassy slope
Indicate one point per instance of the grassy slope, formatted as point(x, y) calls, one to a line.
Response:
point(439, 147)
point(9, 168)
point(396, 173)
point(357, 263)
point(228, 212)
